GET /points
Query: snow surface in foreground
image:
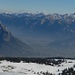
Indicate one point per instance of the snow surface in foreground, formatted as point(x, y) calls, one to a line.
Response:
point(10, 68)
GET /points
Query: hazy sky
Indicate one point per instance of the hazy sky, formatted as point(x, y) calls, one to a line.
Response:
point(47, 6)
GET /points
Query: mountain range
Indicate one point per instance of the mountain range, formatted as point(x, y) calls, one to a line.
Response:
point(48, 34)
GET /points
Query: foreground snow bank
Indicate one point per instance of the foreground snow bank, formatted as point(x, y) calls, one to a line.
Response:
point(5, 73)
point(12, 68)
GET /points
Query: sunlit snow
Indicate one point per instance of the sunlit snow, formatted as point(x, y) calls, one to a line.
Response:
point(12, 68)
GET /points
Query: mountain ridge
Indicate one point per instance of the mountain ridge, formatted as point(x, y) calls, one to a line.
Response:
point(12, 46)
point(44, 23)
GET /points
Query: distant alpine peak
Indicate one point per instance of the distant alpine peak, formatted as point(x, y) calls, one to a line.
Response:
point(54, 15)
point(66, 18)
point(41, 13)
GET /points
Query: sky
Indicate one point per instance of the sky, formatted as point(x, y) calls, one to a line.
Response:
point(37, 6)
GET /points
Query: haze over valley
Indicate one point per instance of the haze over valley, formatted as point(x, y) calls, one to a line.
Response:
point(47, 35)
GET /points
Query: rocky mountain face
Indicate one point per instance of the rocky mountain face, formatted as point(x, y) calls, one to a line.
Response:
point(49, 35)
point(12, 46)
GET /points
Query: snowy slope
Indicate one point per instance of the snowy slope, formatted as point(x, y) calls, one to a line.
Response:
point(10, 68)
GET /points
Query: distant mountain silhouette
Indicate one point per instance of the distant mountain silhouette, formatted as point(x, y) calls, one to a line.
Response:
point(37, 24)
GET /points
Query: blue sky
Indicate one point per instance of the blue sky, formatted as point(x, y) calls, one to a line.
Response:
point(46, 6)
